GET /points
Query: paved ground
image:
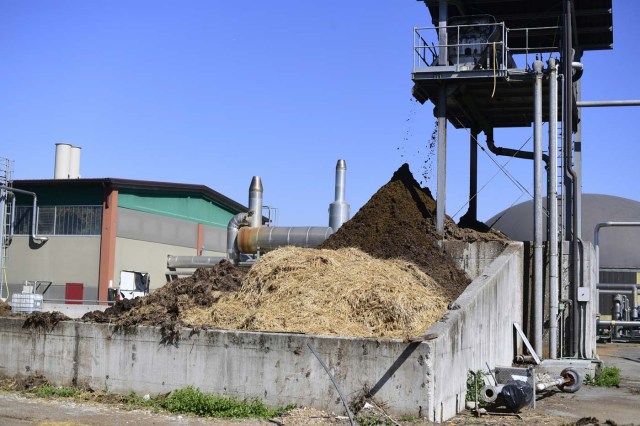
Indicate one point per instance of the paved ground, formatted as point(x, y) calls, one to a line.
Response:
point(621, 405)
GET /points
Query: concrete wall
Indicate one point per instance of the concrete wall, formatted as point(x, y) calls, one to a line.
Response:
point(478, 332)
point(426, 378)
point(277, 368)
point(62, 259)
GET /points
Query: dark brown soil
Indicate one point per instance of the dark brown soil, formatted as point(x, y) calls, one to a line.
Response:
point(398, 222)
point(5, 309)
point(44, 321)
point(22, 383)
point(163, 306)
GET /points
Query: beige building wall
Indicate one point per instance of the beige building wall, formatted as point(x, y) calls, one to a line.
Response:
point(145, 256)
point(61, 259)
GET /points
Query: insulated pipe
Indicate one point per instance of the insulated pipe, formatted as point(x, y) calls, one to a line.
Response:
point(34, 217)
point(552, 195)
point(250, 240)
point(339, 210)
point(232, 236)
point(254, 214)
point(623, 324)
point(537, 208)
point(193, 261)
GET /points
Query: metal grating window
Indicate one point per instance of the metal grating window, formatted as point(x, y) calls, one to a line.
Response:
point(60, 220)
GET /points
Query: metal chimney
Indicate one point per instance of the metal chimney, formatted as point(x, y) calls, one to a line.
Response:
point(255, 202)
point(74, 162)
point(63, 157)
point(339, 210)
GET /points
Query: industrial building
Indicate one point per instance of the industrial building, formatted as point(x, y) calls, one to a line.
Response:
point(90, 230)
point(619, 256)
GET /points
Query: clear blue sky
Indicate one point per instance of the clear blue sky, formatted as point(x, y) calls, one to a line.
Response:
point(214, 92)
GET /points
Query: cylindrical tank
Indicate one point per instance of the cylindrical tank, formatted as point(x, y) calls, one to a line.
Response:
point(63, 157)
point(255, 202)
point(339, 210)
point(74, 162)
point(269, 238)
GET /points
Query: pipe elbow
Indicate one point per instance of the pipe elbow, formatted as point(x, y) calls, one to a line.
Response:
point(578, 70)
point(234, 225)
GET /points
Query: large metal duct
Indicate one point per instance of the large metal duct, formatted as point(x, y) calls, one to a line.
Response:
point(339, 210)
point(250, 240)
point(193, 261)
point(232, 236)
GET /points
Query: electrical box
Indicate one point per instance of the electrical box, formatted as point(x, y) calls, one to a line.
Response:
point(584, 294)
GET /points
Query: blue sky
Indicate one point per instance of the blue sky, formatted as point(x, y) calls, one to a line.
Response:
point(214, 92)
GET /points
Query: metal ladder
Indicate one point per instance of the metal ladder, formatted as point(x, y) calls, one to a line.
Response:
point(6, 216)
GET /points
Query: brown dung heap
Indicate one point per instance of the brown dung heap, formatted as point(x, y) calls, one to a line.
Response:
point(164, 305)
point(398, 222)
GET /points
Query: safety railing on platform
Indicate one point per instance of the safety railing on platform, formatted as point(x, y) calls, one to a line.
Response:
point(469, 46)
point(483, 46)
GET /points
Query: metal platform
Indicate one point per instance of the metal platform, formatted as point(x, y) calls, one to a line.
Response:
point(469, 96)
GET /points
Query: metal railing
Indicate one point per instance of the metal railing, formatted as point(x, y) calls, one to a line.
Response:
point(465, 50)
point(531, 32)
point(470, 47)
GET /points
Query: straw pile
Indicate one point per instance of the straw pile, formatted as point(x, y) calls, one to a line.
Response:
point(338, 292)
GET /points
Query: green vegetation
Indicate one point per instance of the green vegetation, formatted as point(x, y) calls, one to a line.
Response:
point(608, 377)
point(193, 401)
point(471, 385)
point(373, 421)
point(187, 400)
point(48, 391)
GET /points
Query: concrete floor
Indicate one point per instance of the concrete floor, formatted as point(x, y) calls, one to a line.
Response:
point(621, 405)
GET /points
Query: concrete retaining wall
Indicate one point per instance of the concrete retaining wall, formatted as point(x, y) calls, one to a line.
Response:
point(478, 332)
point(426, 378)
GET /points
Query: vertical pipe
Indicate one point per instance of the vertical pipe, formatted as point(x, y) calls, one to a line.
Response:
point(552, 196)
point(537, 208)
point(255, 202)
point(473, 175)
point(442, 160)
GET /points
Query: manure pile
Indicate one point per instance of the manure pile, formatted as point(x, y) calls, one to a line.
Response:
point(340, 292)
point(380, 275)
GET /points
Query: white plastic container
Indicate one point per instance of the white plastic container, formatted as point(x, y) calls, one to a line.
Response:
point(26, 302)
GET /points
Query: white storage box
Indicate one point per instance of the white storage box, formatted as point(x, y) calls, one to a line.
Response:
point(26, 302)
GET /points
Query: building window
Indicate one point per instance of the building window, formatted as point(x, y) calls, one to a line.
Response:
point(60, 220)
